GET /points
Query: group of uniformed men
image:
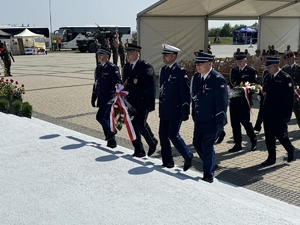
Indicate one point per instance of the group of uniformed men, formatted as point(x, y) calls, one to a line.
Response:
point(208, 94)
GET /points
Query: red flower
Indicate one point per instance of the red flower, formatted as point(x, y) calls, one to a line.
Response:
point(17, 83)
point(22, 85)
point(23, 92)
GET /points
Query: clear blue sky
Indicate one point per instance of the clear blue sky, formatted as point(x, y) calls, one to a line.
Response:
point(80, 12)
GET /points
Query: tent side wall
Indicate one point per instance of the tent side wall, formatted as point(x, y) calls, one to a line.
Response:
point(282, 32)
point(186, 33)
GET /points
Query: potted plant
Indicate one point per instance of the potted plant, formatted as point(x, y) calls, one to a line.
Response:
point(26, 109)
point(16, 107)
point(4, 105)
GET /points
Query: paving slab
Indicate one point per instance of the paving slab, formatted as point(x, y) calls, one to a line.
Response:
point(59, 85)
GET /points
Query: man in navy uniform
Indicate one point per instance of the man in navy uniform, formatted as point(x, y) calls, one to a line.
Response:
point(278, 91)
point(209, 107)
point(240, 104)
point(107, 75)
point(174, 107)
point(293, 70)
point(140, 81)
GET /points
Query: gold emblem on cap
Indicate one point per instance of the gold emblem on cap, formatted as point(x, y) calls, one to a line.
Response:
point(135, 80)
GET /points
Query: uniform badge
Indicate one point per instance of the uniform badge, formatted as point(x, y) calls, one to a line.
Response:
point(135, 80)
point(149, 71)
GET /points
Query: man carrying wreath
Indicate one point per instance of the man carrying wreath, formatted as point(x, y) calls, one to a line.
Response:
point(240, 102)
point(107, 75)
point(140, 81)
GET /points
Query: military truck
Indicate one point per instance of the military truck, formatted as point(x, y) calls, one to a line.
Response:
point(87, 42)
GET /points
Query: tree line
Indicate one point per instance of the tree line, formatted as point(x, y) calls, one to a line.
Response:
point(226, 31)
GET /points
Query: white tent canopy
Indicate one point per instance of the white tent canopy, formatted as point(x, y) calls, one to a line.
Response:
point(185, 24)
point(28, 34)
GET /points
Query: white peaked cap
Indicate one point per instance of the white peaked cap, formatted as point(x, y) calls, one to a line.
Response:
point(169, 49)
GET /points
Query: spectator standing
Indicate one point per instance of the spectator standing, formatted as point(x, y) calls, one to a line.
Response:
point(209, 106)
point(121, 52)
point(59, 42)
point(174, 107)
point(278, 90)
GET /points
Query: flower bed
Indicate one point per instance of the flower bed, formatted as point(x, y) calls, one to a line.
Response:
point(11, 98)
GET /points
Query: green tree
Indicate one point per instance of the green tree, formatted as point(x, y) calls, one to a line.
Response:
point(213, 32)
point(226, 30)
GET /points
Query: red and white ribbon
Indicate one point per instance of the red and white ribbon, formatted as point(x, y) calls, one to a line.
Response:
point(118, 99)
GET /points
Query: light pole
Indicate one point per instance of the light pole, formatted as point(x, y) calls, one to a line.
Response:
point(50, 36)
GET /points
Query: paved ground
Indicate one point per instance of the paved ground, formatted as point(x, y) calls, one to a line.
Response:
point(51, 175)
point(59, 85)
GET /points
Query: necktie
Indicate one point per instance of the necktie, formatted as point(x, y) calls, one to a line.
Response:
point(131, 66)
point(202, 79)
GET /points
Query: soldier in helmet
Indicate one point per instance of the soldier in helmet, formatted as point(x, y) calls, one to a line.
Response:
point(6, 56)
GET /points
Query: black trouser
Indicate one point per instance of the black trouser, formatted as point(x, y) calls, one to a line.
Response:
point(240, 114)
point(296, 109)
point(275, 127)
point(122, 59)
point(102, 117)
point(141, 127)
point(7, 65)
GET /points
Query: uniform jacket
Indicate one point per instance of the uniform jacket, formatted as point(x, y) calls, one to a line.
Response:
point(6, 55)
point(141, 85)
point(248, 74)
point(293, 72)
point(174, 97)
point(106, 77)
point(209, 99)
point(279, 95)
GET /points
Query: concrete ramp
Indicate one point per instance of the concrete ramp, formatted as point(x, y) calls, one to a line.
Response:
point(51, 175)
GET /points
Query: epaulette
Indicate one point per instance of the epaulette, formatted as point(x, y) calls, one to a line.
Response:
point(144, 61)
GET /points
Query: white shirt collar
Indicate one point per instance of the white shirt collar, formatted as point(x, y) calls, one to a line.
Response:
point(243, 67)
point(205, 75)
point(172, 64)
point(133, 64)
point(275, 74)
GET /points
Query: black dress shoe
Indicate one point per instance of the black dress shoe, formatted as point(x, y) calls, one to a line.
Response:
point(235, 148)
point(169, 165)
point(221, 137)
point(152, 149)
point(139, 154)
point(111, 143)
point(209, 180)
point(253, 145)
point(110, 136)
point(291, 155)
point(268, 162)
point(188, 163)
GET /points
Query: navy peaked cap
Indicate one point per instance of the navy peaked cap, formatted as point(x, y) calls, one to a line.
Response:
point(104, 50)
point(241, 56)
point(272, 60)
point(131, 47)
point(202, 57)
